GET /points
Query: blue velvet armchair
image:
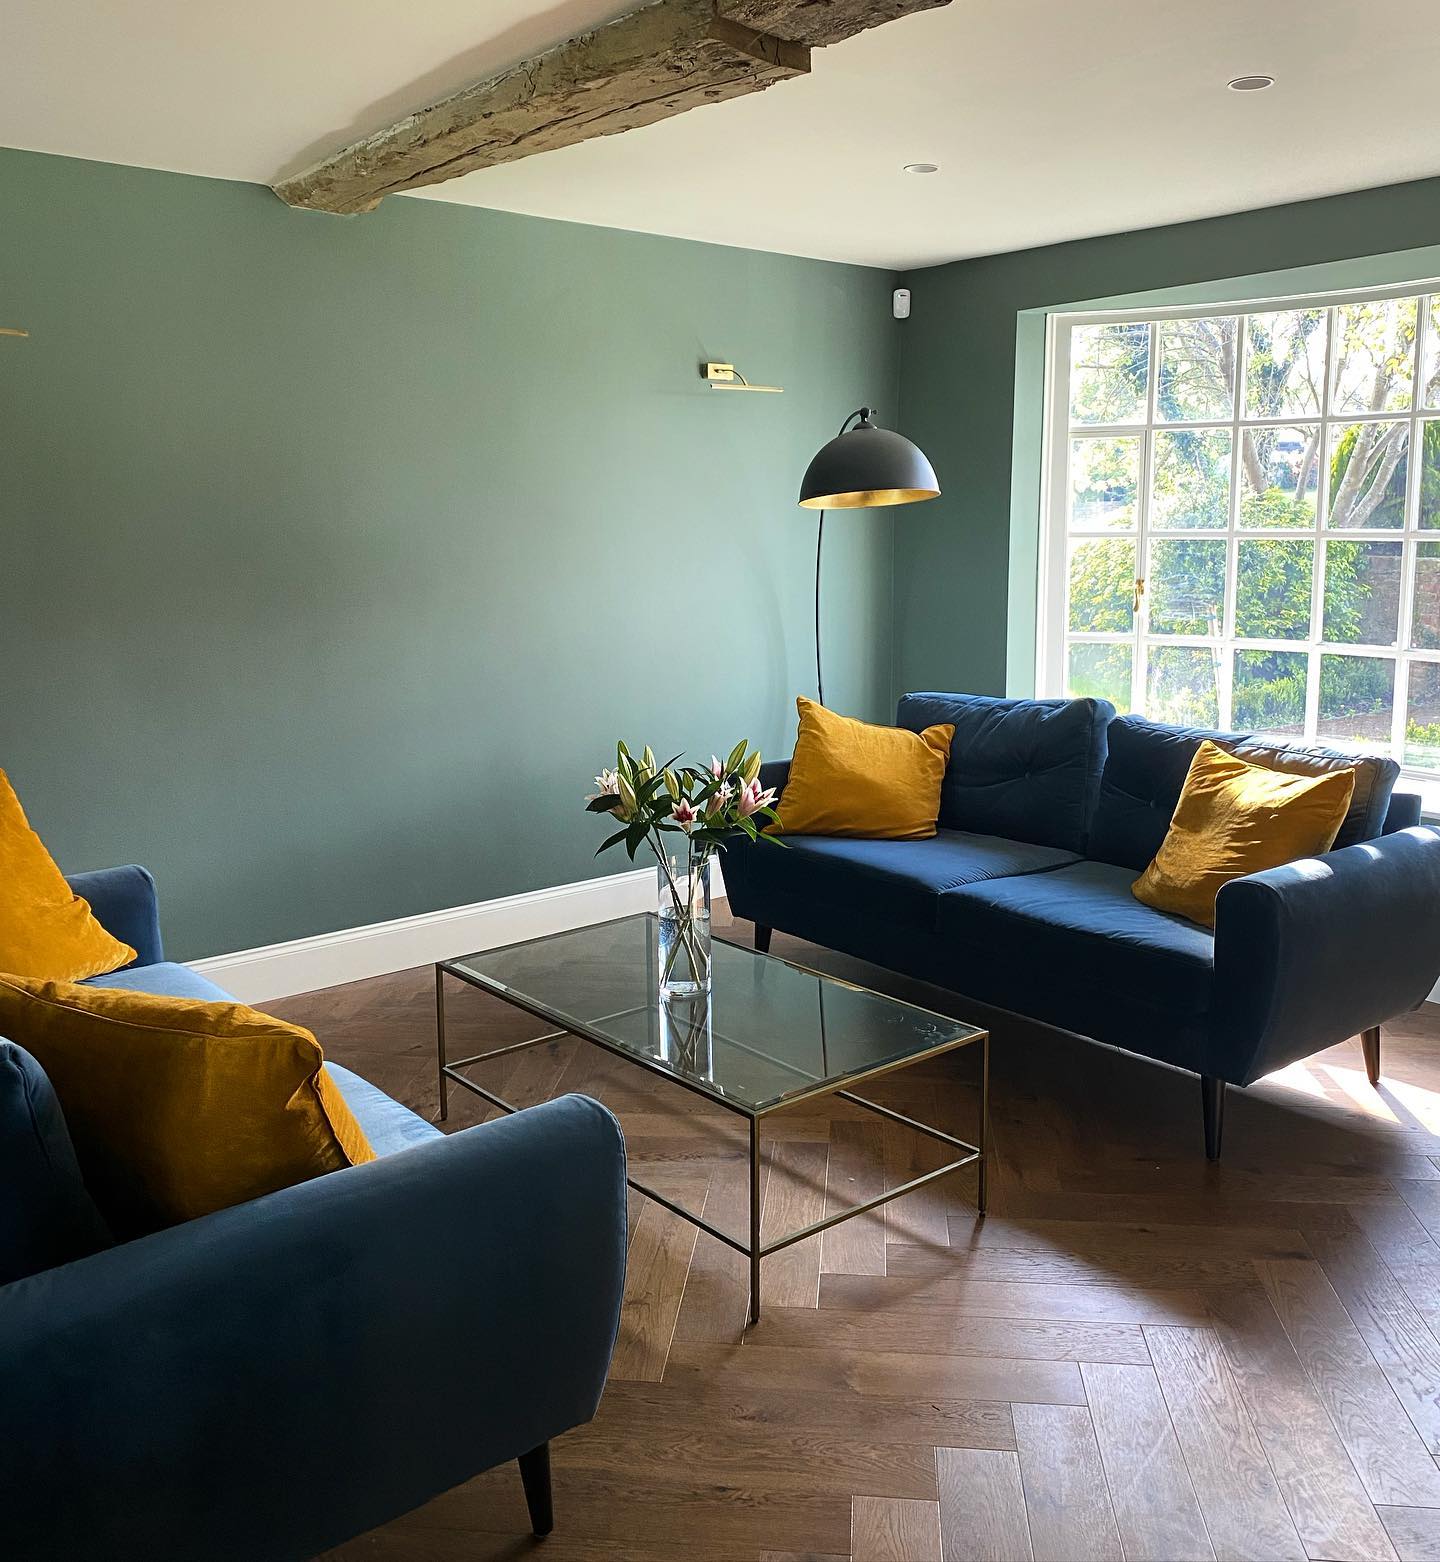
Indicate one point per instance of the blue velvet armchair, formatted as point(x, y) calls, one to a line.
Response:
point(276, 1378)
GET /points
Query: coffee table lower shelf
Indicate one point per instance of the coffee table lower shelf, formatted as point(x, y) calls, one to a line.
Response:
point(754, 1250)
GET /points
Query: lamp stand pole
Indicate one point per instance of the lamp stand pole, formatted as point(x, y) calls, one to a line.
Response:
point(862, 413)
point(819, 543)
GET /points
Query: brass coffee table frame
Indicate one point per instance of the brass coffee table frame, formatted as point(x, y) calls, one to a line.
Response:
point(754, 1250)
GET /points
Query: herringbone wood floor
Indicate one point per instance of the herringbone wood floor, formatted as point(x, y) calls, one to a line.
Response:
point(1135, 1356)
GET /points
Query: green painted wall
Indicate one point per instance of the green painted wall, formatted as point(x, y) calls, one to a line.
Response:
point(338, 552)
point(972, 379)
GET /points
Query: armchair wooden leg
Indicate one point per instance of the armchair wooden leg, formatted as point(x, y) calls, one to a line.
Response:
point(1370, 1044)
point(535, 1477)
point(762, 938)
point(1212, 1100)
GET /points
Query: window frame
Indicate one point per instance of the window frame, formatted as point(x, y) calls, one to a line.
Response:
point(1053, 635)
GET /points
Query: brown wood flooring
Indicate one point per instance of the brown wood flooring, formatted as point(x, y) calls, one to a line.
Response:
point(1137, 1355)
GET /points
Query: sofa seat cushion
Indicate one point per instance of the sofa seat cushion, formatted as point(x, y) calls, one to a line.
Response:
point(165, 979)
point(387, 1125)
point(46, 1215)
point(1081, 926)
point(1027, 770)
point(897, 880)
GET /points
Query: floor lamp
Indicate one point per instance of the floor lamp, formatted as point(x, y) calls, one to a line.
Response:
point(862, 468)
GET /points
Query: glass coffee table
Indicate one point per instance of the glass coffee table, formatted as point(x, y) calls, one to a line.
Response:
point(771, 1034)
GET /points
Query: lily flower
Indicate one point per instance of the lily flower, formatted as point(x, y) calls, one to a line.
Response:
point(753, 797)
point(684, 813)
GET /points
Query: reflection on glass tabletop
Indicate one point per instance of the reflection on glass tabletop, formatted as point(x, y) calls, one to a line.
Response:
point(769, 1033)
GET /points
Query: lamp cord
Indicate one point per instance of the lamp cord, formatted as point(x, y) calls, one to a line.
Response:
point(860, 412)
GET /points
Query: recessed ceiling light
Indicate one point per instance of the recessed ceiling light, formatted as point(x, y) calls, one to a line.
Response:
point(922, 168)
point(1250, 83)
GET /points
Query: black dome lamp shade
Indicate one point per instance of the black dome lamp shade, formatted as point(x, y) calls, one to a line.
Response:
point(862, 468)
point(867, 467)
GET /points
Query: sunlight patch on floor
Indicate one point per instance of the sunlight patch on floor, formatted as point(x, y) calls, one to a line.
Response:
point(1423, 1106)
point(1297, 1076)
point(1355, 1085)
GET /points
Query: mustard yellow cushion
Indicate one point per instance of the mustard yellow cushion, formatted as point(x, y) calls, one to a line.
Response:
point(1235, 818)
point(46, 930)
point(176, 1106)
point(850, 778)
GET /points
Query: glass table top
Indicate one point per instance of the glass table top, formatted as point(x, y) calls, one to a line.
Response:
point(770, 1032)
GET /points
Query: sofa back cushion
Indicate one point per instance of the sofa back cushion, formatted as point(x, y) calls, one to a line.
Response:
point(1148, 762)
point(1025, 769)
point(46, 1215)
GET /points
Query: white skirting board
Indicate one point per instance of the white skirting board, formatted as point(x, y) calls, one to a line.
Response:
point(326, 960)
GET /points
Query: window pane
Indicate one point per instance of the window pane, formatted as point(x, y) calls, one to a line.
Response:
point(1284, 363)
point(1181, 685)
point(1422, 717)
point(1272, 588)
point(1430, 373)
point(1269, 692)
point(1100, 672)
point(1357, 696)
point(1109, 372)
point(1362, 593)
point(1190, 485)
point(1374, 355)
point(1186, 586)
point(1279, 475)
point(1102, 586)
point(1368, 470)
point(1430, 474)
point(1425, 620)
point(1104, 482)
point(1197, 370)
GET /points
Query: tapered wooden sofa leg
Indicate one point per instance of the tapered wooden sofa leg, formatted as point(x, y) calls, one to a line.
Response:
point(535, 1477)
point(1370, 1044)
point(1212, 1100)
point(762, 938)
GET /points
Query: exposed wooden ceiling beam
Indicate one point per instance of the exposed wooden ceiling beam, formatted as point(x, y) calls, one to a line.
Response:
point(656, 62)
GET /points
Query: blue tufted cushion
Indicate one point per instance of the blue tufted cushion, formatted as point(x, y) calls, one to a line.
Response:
point(1028, 770)
point(46, 1214)
point(1148, 762)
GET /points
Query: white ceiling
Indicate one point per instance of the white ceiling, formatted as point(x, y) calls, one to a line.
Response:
point(1050, 119)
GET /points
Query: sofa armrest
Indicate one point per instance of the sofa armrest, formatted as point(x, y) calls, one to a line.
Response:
point(275, 1378)
point(126, 906)
point(1320, 950)
point(1404, 810)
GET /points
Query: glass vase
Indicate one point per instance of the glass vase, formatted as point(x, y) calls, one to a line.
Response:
point(682, 929)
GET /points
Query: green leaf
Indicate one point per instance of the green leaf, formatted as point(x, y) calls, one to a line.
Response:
point(609, 841)
point(603, 804)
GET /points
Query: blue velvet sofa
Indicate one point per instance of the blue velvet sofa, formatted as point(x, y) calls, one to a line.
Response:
point(274, 1379)
point(1049, 811)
